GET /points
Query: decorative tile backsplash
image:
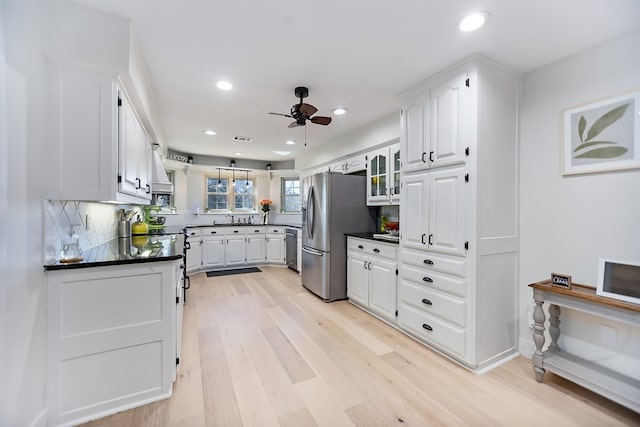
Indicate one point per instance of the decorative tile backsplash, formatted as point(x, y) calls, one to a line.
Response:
point(94, 223)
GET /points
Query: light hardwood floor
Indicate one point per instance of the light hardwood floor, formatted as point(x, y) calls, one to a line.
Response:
point(260, 350)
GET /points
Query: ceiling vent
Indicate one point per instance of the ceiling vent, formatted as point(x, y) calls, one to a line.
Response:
point(242, 138)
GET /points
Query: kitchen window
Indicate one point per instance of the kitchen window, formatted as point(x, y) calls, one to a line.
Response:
point(290, 197)
point(225, 194)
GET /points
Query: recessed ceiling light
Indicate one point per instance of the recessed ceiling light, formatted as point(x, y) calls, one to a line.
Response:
point(339, 111)
point(237, 154)
point(210, 132)
point(224, 85)
point(474, 21)
point(290, 142)
point(282, 153)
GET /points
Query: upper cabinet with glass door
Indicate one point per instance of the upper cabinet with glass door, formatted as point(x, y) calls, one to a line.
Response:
point(383, 176)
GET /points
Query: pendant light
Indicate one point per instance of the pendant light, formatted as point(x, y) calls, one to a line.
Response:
point(246, 184)
point(219, 182)
point(234, 176)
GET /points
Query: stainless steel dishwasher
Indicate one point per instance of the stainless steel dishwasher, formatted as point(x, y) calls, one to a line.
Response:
point(292, 248)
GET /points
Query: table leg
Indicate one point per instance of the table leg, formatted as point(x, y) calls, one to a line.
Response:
point(554, 326)
point(538, 339)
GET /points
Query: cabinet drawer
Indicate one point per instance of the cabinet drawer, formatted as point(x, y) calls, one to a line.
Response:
point(194, 232)
point(255, 230)
point(212, 231)
point(234, 231)
point(432, 330)
point(370, 247)
point(433, 302)
point(434, 280)
point(275, 230)
point(451, 265)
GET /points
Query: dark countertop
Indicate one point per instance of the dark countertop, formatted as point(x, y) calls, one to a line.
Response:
point(369, 236)
point(130, 250)
point(242, 225)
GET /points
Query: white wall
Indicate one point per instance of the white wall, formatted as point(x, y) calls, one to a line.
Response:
point(567, 223)
point(22, 292)
point(379, 132)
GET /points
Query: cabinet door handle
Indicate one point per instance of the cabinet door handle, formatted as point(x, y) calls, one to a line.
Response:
point(431, 156)
point(360, 247)
point(423, 159)
point(427, 279)
point(426, 301)
point(365, 265)
point(427, 327)
point(430, 237)
point(369, 266)
point(138, 183)
point(428, 262)
point(187, 245)
point(148, 190)
point(422, 238)
point(376, 250)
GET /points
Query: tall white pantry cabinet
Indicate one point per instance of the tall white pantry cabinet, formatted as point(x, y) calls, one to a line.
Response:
point(459, 213)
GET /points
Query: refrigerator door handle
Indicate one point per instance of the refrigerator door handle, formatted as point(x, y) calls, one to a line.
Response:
point(311, 251)
point(310, 213)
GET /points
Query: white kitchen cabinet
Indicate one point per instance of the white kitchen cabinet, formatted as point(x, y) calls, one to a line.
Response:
point(371, 276)
point(276, 250)
point(83, 151)
point(256, 245)
point(213, 248)
point(111, 339)
point(134, 152)
point(458, 213)
point(435, 123)
point(235, 250)
point(194, 251)
point(433, 210)
point(383, 176)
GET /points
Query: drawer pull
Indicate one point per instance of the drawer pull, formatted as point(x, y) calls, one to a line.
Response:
point(376, 250)
point(360, 247)
point(256, 231)
point(428, 262)
point(214, 232)
point(427, 279)
point(426, 301)
point(236, 231)
point(427, 327)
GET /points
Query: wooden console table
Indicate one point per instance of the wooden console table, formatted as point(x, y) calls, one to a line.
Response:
point(613, 385)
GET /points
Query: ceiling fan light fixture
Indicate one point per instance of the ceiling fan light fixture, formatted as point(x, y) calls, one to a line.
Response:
point(474, 21)
point(339, 111)
point(224, 85)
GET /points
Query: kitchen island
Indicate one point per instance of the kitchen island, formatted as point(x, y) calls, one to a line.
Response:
point(114, 327)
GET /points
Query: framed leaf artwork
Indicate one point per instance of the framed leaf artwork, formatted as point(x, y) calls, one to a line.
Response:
point(603, 136)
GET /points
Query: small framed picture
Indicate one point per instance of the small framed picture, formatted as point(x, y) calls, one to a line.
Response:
point(561, 280)
point(619, 280)
point(603, 136)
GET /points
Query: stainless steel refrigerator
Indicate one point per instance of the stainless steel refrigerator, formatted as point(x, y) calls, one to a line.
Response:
point(333, 204)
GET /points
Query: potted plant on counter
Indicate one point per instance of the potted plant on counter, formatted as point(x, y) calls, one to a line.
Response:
point(265, 207)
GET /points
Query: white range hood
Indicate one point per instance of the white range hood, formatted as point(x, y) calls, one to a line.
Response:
point(160, 183)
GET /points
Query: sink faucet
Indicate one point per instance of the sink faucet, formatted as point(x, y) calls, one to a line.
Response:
point(231, 218)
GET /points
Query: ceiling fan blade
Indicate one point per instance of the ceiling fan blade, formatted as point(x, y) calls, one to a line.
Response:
point(308, 109)
point(293, 124)
point(321, 120)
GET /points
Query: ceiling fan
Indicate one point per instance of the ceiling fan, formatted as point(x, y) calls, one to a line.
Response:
point(302, 112)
